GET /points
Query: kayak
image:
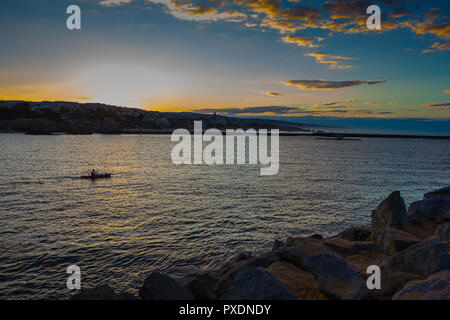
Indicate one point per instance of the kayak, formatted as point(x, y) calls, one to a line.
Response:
point(97, 176)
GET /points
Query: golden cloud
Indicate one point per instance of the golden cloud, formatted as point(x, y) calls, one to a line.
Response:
point(332, 61)
point(301, 40)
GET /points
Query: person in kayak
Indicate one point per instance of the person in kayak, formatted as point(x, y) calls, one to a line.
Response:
point(93, 172)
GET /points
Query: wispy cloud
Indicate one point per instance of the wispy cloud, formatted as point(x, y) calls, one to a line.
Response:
point(114, 3)
point(327, 84)
point(332, 61)
point(250, 110)
point(274, 94)
point(301, 40)
point(439, 106)
point(437, 46)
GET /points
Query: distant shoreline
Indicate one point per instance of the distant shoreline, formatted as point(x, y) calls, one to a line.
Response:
point(330, 135)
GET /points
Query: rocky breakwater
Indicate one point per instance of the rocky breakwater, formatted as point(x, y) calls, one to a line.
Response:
point(411, 247)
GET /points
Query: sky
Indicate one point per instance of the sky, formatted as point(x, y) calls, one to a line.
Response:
point(287, 59)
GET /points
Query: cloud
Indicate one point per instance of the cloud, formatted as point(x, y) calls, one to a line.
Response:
point(447, 91)
point(331, 60)
point(437, 46)
point(285, 19)
point(346, 9)
point(373, 103)
point(251, 110)
point(288, 17)
point(400, 13)
point(327, 85)
point(114, 3)
point(274, 94)
point(433, 25)
point(301, 40)
point(439, 106)
point(200, 11)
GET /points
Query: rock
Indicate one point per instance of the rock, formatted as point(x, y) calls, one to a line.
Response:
point(158, 286)
point(316, 236)
point(414, 263)
point(277, 244)
point(443, 232)
point(335, 277)
point(295, 241)
point(124, 295)
point(263, 260)
point(345, 247)
point(244, 255)
point(201, 285)
point(102, 292)
point(356, 234)
point(300, 254)
point(393, 240)
point(390, 213)
point(422, 230)
point(257, 284)
point(360, 262)
point(301, 283)
point(444, 192)
point(435, 287)
point(434, 210)
point(225, 283)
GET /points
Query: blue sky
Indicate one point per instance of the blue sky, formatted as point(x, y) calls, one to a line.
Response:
point(313, 59)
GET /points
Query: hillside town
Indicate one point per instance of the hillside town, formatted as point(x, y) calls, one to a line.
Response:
point(49, 117)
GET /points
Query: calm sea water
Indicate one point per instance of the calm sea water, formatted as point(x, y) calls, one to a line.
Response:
point(153, 215)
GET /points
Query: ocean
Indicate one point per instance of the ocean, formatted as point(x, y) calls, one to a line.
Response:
point(154, 215)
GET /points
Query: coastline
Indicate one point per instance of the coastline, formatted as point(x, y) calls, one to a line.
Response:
point(411, 248)
point(318, 135)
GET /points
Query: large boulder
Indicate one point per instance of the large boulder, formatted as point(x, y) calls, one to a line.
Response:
point(201, 285)
point(414, 263)
point(301, 283)
point(335, 277)
point(102, 292)
point(393, 240)
point(338, 279)
point(444, 192)
point(300, 254)
point(390, 213)
point(435, 287)
point(158, 286)
point(257, 284)
point(434, 210)
point(356, 234)
point(227, 280)
point(443, 232)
